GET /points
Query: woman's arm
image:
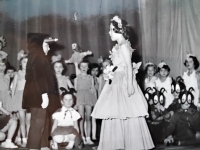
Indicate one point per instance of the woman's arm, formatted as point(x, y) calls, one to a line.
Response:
point(14, 85)
point(127, 57)
point(75, 83)
point(93, 87)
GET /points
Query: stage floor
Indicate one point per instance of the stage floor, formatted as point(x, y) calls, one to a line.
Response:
point(161, 147)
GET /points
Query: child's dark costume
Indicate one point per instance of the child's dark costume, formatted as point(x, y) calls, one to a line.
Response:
point(39, 80)
point(183, 125)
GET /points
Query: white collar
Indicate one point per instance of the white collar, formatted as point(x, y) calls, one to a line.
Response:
point(65, 109)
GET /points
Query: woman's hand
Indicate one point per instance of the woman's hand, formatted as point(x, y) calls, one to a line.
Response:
point(131, 90)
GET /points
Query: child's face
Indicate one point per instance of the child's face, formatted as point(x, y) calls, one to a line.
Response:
point(24, 63)
point(163, 72)
point(190, 63)
point(10, 73)
point(58, 68)
point(150, 71)
point(94, 72)
point(84, 67)
point(2, 67)
point(177, 91)
point(105, 64)
point(67, 101)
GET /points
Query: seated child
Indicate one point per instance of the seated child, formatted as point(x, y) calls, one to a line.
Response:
point(65, 128)
point(184, 127)
point(8, 122)
point(159, 119)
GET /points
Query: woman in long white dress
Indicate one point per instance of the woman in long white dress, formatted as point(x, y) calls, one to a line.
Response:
point(121, 104)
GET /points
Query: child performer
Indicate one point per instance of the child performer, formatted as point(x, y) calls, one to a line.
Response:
point(192, 78)
point(184, 127)
point(10, 71)
point(8, 123)
point(106, 62)
point(159, 118)
point(17, 94)
point(77, 56)
point(150, 70)
point(5, 96)
point(59, 68)
point(65, 126)
point(94, 72)
point(86, 99)
point(164, 81)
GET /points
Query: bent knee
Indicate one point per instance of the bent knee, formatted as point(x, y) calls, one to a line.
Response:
point(59, 138)
point(2, 136)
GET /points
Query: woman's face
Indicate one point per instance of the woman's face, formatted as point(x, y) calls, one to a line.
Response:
point(163, 72)
point(150, 71)
point(94, 72)
point(84, 67)
point(58, 68)
point(2, 67)
point(24, 63)
point(67, 101)
point(45, 47)
point(190, 63)
point(114, 36)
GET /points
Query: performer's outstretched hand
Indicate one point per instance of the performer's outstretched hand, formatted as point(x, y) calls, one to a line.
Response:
point(45, 101)
point(131, 90)
point(169, 140)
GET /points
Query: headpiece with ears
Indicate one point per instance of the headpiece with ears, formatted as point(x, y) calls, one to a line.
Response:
point(149, 63)
point(188, 56)
point(178, 85)
point(158, 96)
point(187, 96)
point(65, 91)
point(161, 64)
point(3, 41)
point(21, 55)
point(148, 95)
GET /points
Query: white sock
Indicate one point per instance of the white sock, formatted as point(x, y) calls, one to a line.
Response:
point(8, 140)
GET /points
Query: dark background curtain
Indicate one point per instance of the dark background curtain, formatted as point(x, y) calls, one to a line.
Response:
point(83, 21)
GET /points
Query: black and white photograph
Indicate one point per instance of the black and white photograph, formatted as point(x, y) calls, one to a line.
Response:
point(100, 74)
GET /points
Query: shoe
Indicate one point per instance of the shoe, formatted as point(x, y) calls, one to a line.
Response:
point(8, 144)
point(84, 140)
point(18, 141)
point(70, 145)
point(89, 141)
point(24, 142)
point(54, 146)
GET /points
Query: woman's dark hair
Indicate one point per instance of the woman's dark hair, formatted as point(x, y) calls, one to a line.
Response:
point(20, 62)
point(166, 67)
point(84, 61)
point(126, 30)
point(151, 65)
point(63, 64)
point(195, 60)
point(93, 66)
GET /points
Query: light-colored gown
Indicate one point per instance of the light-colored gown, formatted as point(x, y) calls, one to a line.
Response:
point(123, 124)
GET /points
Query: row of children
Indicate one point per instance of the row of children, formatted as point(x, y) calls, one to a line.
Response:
point(87, 85)
point(174, 104)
